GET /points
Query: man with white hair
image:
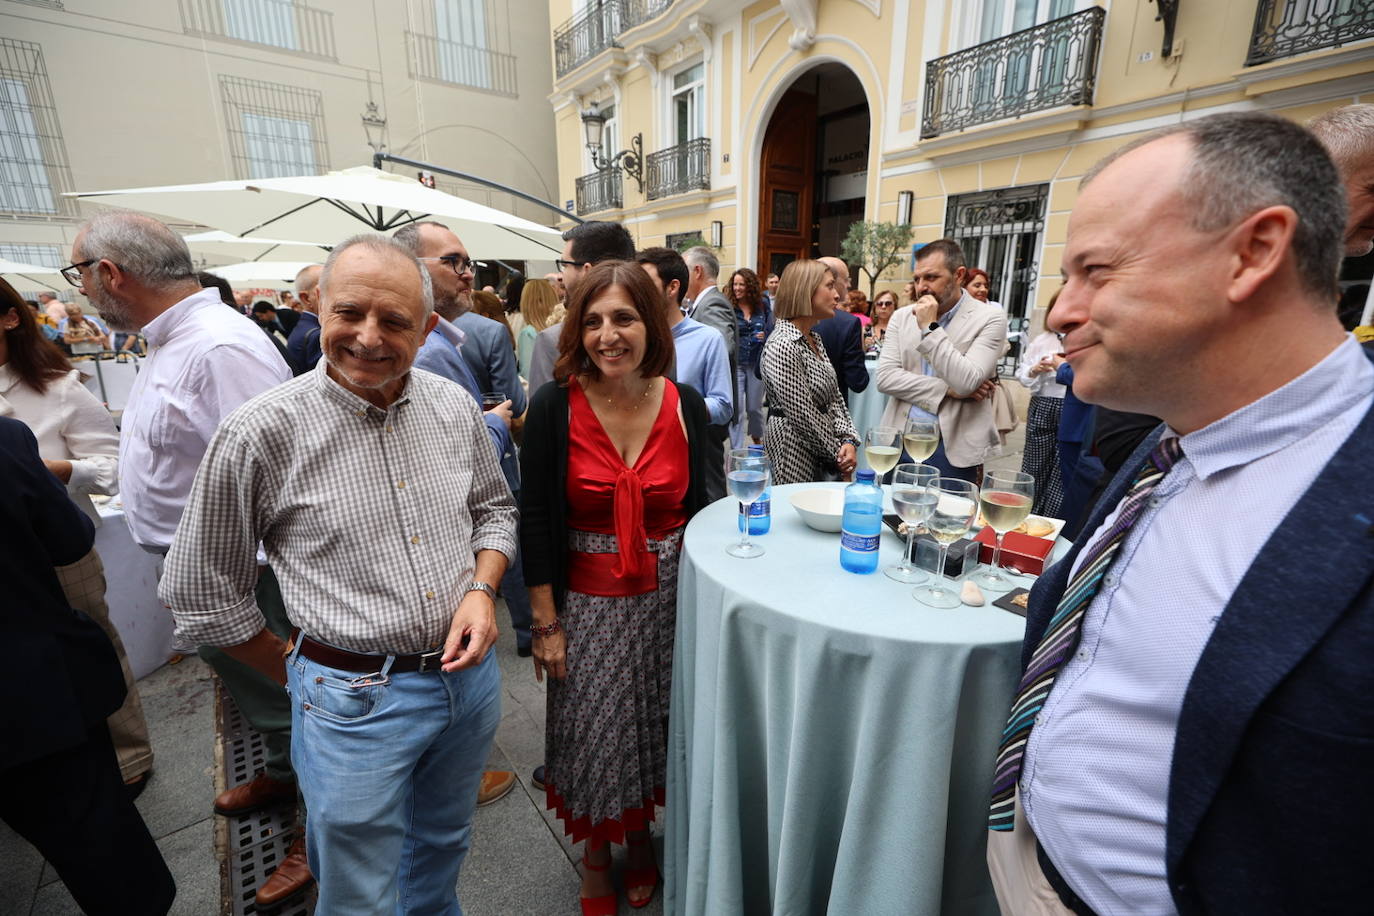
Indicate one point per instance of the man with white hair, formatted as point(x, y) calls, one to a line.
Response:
point(1348, 135)
point(304, 343)
point(204, 360)
point(375, 493)
point(53, 307)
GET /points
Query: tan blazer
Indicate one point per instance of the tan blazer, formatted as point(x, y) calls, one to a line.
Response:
point(961, 358)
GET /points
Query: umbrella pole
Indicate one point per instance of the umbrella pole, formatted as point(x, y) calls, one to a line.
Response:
point(379, 158)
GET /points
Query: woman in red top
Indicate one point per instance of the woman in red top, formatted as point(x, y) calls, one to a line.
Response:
point(612, 466)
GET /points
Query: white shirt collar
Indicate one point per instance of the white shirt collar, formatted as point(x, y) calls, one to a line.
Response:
point(160, 330)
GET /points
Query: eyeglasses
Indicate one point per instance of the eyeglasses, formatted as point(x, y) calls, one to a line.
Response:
point(560, 263)
point(72, 273)
point(460, 264)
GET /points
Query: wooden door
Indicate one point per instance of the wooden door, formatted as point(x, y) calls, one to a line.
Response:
point(787, 183)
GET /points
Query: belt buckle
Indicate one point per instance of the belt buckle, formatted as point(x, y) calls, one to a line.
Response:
point(430, 661)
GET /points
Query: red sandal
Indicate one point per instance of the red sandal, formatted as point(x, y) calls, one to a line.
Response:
point(638, 878)
point(598, 906)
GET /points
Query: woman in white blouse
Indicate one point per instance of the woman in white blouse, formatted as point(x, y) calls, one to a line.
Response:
point(1040, 459)
point(80, 445)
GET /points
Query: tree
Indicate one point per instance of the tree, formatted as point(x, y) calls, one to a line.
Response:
point(874, 247)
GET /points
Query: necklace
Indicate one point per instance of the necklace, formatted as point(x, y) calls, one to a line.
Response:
point(610, 401)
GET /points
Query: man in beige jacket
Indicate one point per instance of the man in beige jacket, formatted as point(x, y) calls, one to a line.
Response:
point(939, 360)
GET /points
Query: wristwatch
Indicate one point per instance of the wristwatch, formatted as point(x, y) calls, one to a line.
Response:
point(482, 587)
point(933, 326)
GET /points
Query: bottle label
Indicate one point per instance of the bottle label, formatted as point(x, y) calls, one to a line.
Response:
point(863, 543)
point(757, 509)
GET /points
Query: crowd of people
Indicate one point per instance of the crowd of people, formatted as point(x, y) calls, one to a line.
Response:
point(339, 499)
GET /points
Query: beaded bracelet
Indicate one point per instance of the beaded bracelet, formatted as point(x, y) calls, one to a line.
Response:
point(545, 631)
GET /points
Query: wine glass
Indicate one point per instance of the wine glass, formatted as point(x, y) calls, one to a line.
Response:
point(920, 438)
point(913, 503)
point(1006, 501)
point(882, 450)
point(956, 506)
point(747, 478)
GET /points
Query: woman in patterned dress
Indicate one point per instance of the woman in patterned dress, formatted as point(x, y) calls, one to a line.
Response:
point(612, 466)
point(810, 435)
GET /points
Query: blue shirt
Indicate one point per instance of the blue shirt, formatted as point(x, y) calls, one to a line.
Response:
point(303, 346)
point(1095, 781)
point(441, 354)
point(703, 363)
point(750, 329)
point(920, 413)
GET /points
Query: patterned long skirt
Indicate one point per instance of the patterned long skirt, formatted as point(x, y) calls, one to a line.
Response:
point(606, 741)
point(1041, 456)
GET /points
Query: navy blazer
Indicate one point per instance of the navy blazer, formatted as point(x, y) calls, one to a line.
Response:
point(68, 675)
point(1269, 806)
point(842, 334)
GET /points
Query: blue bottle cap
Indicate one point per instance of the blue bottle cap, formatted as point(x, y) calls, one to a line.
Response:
point(864, 475)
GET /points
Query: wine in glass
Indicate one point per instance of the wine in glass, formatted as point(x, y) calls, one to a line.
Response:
point(1006, 500)
point(914, 504)
point(883, 449)
point(956, 507)
point(921, 438)
point(747, 478)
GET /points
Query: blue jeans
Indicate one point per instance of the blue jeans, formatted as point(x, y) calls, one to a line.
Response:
point(518, 597)
point(389, 765)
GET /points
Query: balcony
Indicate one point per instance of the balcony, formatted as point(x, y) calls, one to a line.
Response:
point(583, 37)
point(445, 61)
point(280, 24)
point(1285, 29)
point(599, 191)
point(678, 169)
point(1042, 67)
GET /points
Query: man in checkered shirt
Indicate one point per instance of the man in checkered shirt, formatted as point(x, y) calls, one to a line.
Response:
point(375, 493)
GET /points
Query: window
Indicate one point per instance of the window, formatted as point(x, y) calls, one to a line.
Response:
point(991, 19)
point(290, 25)
point(264, 22)
point(37, 255)
point(274, 131)
point(461, 26)
point(33, 158)
point(689, 104)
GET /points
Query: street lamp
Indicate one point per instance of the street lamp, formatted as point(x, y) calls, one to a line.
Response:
point(374, 126)
point(630, 161)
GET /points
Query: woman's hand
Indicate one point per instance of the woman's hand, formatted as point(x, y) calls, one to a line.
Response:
point(551, 655)
point(846, 458)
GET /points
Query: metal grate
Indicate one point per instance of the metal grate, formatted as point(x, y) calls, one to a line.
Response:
point(601, 190)
point(1042, 67)
point(256, 842)
point(38, 255)
point(275, 131)
point(280, 24)
point(461, 64)
point(1290, 28)
point(678, 169)
point(33, 158)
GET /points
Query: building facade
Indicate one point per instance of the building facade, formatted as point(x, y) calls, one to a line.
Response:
point(99, 94)
point(767, 128)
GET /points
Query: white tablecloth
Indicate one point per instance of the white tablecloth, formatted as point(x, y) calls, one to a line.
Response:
point(866, 407)
point(131, 592)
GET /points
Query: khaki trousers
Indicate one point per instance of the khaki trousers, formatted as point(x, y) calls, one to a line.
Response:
point(1022, 889)
point(83, 582)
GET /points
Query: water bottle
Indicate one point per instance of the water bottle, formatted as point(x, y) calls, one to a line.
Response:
point(761, 511)
point(863, 520)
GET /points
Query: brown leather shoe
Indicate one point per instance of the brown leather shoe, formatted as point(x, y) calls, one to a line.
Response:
point(291, 877)
point(262, 791)
point(496, 784)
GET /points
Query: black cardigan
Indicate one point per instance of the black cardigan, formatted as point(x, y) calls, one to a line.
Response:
point(544, 472)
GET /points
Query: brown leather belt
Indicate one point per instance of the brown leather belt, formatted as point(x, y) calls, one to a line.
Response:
point(364, 663)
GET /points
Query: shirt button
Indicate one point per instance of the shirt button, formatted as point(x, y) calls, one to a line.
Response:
point(1109, 579)
point(362, 413)
point(414, 539)
point(429, 595)
point(390, 428)
point(400, 484)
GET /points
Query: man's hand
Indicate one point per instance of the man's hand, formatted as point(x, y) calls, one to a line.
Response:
point(551, 655)
point(981, 393)
point(846, 459)
point(502, 410)
point(475, 619)
point(927, 310)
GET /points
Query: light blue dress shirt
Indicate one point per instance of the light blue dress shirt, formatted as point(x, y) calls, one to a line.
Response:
point(1095, 783)
point(920, 413)
point(703, 363)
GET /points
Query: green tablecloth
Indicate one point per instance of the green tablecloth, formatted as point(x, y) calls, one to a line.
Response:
point(831, 741)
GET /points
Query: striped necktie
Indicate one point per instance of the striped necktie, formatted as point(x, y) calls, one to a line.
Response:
point(1061, 634)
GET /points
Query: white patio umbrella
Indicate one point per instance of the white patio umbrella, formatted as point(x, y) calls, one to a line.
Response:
point(46, 277)
point(329, 208)
point(219, 244)
point(274, 274)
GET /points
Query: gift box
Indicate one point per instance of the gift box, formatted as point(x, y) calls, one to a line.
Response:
point(963, 555)
point(1019, 551)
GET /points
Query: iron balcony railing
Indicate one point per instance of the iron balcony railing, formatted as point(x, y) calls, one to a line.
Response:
point(1284, 28)
point(281, 24)
point(1042, 67)
point(601, 190)
point(584, 36)
point(447, 61)
point(678, 169)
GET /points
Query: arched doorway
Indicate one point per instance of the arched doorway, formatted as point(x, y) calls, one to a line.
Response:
point(813, 168)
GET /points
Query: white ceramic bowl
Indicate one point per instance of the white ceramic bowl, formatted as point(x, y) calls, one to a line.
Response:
point(821, 509)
